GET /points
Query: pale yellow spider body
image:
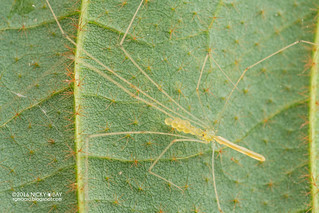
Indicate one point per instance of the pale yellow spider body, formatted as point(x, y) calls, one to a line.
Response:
point(209, 136)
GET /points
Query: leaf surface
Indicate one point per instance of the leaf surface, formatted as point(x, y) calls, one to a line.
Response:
point(169, 40)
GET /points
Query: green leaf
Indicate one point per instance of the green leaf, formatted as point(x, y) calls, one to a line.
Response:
point(36, 119)
point(56, 137)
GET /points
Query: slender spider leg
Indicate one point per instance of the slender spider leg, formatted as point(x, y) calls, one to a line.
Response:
point(198, 84)
point(253, 65)
point(200, 77)
point(149, 132)
point(201, 72)
point(164, 151)
point(214, 181)
point(132, 20)
point(219, 67)
point(133, 132)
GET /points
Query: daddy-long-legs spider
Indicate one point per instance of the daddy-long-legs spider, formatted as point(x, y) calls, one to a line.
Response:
point(140, 73)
